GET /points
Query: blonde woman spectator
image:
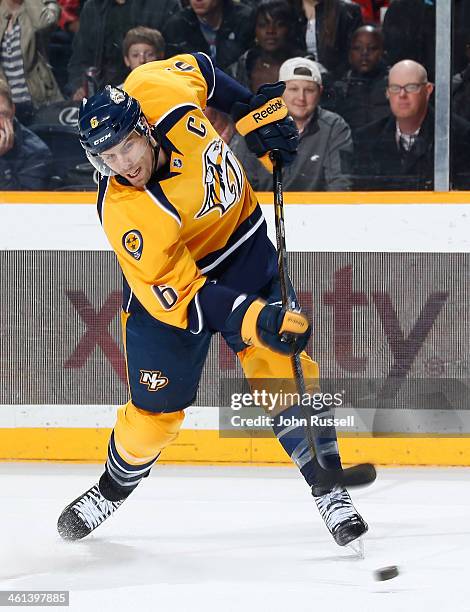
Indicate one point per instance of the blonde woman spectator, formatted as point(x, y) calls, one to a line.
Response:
point(22, 64)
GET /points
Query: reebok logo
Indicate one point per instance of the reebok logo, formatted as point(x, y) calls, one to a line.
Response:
point(153, 379)
point(269, 110)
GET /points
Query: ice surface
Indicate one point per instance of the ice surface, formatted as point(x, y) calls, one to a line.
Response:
point(238, 538)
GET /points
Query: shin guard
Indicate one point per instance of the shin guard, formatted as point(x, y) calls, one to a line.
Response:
point(135, 444)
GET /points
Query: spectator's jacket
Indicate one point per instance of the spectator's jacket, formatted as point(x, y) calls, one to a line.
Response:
point(359, 98)
point(409, 29)
point(323, 161)
point(35, 17)
point(27, 165)
point(183, 34)
point(348, 19)
point(381, 165)
point(99, 42)
point(461, 93)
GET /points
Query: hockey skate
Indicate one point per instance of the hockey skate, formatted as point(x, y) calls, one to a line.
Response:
point(85, 514)
point(341, 517)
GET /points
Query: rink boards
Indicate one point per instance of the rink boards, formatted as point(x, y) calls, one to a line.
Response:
point(402, 260)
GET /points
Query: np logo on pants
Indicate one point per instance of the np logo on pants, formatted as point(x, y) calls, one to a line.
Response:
point(153, 379)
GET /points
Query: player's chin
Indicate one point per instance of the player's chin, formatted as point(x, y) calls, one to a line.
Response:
point(138, 179)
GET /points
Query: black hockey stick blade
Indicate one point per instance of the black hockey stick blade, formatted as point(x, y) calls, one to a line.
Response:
point(355, 476)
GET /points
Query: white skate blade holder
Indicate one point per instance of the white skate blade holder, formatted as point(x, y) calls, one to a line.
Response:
point(357, 546)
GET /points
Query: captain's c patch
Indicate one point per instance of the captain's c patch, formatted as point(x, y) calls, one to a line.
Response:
point(133, 242)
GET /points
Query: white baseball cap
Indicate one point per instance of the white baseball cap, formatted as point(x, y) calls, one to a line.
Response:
point(288, 70)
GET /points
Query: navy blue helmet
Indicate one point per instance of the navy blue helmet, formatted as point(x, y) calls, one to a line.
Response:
point(105, 119)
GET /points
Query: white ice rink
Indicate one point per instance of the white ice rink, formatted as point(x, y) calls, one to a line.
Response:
point(248, 539)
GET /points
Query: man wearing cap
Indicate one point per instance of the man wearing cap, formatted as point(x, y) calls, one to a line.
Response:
point(324, 155)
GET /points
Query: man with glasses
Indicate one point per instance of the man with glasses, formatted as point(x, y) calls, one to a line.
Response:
point(397, 152)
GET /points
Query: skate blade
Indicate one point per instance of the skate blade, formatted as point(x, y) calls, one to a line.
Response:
point(358, 547)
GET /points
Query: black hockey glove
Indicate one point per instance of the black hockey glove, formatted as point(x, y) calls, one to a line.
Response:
point(266, 126)
point(270, 326)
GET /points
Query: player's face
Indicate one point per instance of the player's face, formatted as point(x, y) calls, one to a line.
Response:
point(366, 52)
point(133, 159)
point(140, 53)
point(301, 98)
point(271, 34)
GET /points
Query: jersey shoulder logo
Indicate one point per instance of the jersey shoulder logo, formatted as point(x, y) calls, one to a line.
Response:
point(153, 379)
point(133, 242)
point(223, 178)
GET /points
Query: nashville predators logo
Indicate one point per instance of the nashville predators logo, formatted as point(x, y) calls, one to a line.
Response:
point(223, 179)
point(94, 122)
point(153, 379)
point(133, 243)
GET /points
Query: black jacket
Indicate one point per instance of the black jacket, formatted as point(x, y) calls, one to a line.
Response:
point(349, 18)
point(410, 33)
point(27, 165)
point(379, 164)
point(409, 30)
point(359, 98)
point(103, 25)
point(461, 93)
point(183, 34)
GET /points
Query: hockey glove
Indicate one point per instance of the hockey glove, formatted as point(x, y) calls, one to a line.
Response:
point(266, 126)
point(270, 326)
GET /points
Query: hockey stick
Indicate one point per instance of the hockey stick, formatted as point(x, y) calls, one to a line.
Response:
point(359, 474)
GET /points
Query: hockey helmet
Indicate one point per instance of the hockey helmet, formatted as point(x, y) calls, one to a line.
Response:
point(105, 120)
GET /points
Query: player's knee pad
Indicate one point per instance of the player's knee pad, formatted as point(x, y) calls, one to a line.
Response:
point(263, 363)
point(274, 373)
point(141, 435)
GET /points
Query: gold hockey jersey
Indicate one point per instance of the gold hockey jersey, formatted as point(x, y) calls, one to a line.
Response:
point(194, 212)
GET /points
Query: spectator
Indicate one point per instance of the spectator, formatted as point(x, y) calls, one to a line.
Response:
point(409, 29)
point(274, 25)
point(325, 148)
point(98, 43)
point(397, 152)
point(23, 65)
point(371, 10)
point(410, 32)
point(24, 158)
point(460, 34)
point(359, 97)
point(142, 45)
point(60, 41)
point(221, 28)
point(69, 16)
point(324, 30)
point(222, 123)
point(461, 87)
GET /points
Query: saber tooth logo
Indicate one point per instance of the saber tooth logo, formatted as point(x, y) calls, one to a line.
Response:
point(153, 379)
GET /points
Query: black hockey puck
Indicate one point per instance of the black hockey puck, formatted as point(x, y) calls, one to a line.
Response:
point(386, 573)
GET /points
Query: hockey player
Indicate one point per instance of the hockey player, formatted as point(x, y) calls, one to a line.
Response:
point(191, 241)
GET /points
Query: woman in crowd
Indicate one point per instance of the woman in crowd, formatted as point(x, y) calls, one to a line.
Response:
point(274, 29)
point(324, 30)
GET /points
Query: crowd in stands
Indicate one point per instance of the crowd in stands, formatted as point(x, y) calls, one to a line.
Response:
point(359, 82)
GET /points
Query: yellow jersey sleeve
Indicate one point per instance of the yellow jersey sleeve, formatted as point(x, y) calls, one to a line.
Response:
point(162, 86)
